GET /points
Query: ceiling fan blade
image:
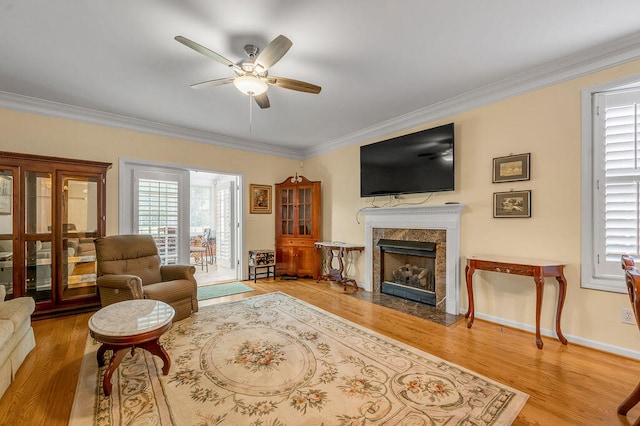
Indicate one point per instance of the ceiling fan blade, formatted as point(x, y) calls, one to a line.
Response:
point(289, 83)
point(206, 52)
point(213, 83)
point(262, 100)
point(273, 52)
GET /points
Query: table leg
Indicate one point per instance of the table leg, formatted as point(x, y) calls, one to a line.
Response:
point(469, 270)
point(116, 358)
point(156, 348)
point(100, 354)
point(328, 265)
point(630, 401)
point(330, 269)
point(539, 279)
point(352, 281)
point(562, 292)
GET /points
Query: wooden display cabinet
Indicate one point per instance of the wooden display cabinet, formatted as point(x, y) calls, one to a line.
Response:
point(298, 220)
point(51, 209)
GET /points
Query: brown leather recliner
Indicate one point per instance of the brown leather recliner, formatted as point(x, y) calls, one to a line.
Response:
point(128, 267)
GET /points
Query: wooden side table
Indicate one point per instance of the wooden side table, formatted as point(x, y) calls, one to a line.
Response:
point(538, 269)
point(341, 250)
point(127, 325)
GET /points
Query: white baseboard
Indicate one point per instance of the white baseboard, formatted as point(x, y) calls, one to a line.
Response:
point(617, 350)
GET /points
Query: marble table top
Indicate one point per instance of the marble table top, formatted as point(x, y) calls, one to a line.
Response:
point(131, 317)
point(339, 244)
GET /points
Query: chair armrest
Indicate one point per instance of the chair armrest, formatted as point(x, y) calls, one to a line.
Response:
point(177, 272)
point(130, 283)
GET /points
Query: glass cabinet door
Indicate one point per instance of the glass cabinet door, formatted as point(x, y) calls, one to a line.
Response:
point(38, 241)
point(80, 226)
point(287, 219)
point(304, 211)
point(7, 212)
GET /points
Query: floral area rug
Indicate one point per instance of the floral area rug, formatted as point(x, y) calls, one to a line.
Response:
point(273, 360)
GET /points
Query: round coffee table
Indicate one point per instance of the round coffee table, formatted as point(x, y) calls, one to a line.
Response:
point(128, 325)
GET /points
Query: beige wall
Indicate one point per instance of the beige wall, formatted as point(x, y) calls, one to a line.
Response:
point(35, 134)
point(545, 123)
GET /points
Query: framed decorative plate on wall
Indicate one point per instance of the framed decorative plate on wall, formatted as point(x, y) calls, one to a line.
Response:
point(512, 204)
point(511, 168)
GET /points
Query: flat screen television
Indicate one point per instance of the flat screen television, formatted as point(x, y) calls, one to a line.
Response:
point(419, 162)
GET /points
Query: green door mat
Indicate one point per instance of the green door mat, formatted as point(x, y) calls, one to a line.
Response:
point(220, 290)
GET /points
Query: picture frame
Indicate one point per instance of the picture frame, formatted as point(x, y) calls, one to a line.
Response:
point(6, 189)
point(511, 168)
point(259, 199)
point(512, 204)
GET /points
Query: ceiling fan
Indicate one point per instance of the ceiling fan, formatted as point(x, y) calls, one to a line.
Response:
point(252, 74)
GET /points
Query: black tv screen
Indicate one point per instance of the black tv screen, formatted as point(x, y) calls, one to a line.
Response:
point(413, 163)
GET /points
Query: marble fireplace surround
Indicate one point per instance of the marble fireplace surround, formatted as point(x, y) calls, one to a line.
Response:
point(437, 217)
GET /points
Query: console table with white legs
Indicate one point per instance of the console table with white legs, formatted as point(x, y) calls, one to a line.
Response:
point(538, 269)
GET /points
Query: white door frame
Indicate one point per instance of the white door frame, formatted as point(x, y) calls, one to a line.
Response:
point(125, 197)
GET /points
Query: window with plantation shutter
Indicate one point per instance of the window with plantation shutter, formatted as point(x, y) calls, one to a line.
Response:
point(616, 182)
point(225, 224)
point(158, 204)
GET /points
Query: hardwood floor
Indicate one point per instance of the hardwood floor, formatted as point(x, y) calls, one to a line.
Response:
point(568, 385)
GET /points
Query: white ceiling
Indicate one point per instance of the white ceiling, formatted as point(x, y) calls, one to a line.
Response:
point(383, 66)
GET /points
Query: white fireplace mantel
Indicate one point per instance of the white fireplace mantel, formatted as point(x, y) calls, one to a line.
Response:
point(445, 216)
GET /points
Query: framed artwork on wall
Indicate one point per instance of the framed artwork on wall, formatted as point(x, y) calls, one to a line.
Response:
point(259, 199)
point(511, 168)
point(6, 187)
point(512, 204)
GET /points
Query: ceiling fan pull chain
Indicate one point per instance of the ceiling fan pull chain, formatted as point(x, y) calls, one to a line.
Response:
point(250, 115)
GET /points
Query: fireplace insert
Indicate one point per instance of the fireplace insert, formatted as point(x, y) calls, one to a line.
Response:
point(408, 270)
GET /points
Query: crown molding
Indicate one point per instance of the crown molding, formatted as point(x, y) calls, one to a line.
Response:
point(572, 66)
point(31, 105)
point(586, 62)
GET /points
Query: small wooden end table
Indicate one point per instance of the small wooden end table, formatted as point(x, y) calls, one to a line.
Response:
point(538, 269)
point(128, 325)
point(342, 249)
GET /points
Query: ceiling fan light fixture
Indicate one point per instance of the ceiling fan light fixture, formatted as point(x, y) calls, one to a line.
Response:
point(250, 85)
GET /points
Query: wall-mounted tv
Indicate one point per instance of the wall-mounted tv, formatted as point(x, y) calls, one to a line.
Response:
point(415, 163)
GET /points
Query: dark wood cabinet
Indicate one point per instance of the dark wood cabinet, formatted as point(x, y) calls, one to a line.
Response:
point(298, 226)
point(51, 209)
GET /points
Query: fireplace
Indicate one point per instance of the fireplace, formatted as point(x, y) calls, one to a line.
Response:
point(408, 269)
point(439, 224)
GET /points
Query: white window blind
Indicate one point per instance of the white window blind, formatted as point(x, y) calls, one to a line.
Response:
point(617, 179)
point(223, 228)
point(158, 203)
